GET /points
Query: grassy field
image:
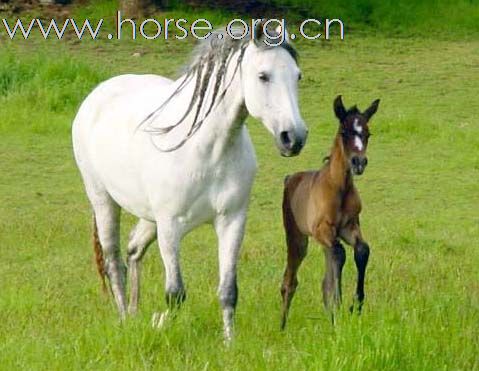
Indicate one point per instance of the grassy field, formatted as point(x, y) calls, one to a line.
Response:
point(420, 217)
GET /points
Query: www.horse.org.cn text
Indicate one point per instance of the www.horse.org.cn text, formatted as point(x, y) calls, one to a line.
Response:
point(170, 28)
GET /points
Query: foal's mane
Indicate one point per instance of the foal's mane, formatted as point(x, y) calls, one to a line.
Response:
point(210, 60)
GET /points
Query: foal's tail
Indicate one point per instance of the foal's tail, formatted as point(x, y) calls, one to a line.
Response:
point(100, 261)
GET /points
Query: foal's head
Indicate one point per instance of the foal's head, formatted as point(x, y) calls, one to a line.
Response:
point(354, 132)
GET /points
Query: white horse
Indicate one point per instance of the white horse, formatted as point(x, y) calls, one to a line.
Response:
point(177, 154)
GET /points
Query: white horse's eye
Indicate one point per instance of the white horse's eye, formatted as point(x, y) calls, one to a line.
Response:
point(263, 76)
point(300, 76)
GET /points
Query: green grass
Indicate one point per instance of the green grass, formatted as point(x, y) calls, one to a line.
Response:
point(425, 18)
point(420, 217)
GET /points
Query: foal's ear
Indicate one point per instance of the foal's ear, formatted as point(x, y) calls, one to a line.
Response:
point(339, 109)
point(371, 110)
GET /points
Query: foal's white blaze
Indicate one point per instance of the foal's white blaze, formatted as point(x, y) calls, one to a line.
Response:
point(358, 128)
point(358, 143)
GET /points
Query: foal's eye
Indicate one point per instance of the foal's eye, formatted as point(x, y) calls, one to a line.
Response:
point(300, 76)
point(264, 77)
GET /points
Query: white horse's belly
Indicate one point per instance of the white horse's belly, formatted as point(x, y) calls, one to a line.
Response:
point(165, 187)
point(199, 195)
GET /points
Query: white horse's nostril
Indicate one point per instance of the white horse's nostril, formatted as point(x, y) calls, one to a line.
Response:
point(290, 143)
point(287, 139)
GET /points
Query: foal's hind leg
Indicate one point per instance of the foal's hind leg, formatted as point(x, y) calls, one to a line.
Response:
point(141, 237)
point(297, 249)
point(107, 217)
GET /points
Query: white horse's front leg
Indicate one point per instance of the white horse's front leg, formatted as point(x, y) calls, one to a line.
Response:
point(169, 237)
point(230, 231)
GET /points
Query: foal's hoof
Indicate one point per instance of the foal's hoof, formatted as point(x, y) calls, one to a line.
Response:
point(355, 309)
point(159, 320)
point(282, 326)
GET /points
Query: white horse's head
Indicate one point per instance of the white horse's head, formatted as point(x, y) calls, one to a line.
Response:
point(268, 84)
point(270, 76)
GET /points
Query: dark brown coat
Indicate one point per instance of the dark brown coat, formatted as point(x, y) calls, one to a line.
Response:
point(325, 205)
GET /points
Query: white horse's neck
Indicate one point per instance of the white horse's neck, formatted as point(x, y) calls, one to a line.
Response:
point(228, 115)
point(223, 124)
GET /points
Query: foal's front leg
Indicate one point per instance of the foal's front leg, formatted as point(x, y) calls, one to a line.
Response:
point(361, 257)
point(335, 259)
point(351, 234)
point(230, 231)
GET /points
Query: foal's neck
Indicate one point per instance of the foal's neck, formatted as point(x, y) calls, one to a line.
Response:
point(338, 167)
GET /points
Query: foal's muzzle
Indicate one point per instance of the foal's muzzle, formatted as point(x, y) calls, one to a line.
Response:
point(358, 164)
point(290, 143)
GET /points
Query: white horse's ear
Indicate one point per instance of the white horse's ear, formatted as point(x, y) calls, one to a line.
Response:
point(257, 30)
point(286, 33)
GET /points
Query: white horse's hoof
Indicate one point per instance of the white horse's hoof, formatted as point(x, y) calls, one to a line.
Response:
point(228, 325)
point(158, 320)
point(227, 336)
point(227, 340)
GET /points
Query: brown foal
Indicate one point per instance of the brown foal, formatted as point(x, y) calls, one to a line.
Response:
point(325, 204)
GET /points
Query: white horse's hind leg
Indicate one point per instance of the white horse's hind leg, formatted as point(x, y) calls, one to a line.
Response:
point(141, 237)
point(107, 215)
point(230, 231)
point(169, 237)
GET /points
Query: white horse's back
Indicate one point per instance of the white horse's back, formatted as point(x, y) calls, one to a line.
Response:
point(109, 92)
